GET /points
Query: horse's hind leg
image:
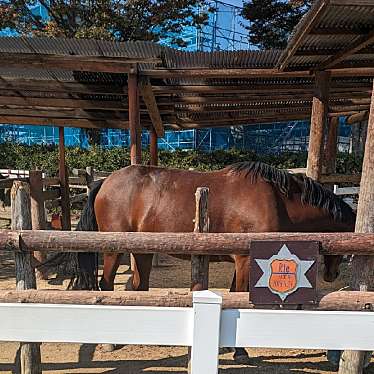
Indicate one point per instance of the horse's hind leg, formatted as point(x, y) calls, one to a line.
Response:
point(142, 271)
point(111, 264)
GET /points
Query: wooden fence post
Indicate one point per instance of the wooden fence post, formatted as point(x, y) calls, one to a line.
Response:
point(25, 276)
point(64, 183)
point(90, 177)
point(362, 266)
point(38, 217)
point(200, 264)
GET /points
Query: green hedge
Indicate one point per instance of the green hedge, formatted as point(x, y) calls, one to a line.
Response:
point(46, 158)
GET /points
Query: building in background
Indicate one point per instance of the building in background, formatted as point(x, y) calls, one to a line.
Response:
point(225, 31)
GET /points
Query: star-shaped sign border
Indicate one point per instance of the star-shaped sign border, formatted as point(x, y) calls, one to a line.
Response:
point(284, 254)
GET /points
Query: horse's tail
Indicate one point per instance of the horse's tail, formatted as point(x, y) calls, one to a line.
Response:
point(82, 266)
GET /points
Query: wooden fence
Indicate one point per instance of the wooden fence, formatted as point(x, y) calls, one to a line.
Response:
point(203, 320)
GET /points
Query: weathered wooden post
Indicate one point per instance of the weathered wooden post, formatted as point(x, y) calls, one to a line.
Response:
point(134, 118)
point(64, 182)
point(134, 125)
point(363, 266)
point(317, 125)
point(25, 276)
point(38, 218)
point(200, 264)
point(153, 146)
point(90, 177)
point(331, 146)
point(154, 162)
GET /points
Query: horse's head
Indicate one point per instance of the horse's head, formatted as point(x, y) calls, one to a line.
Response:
point(331, 270)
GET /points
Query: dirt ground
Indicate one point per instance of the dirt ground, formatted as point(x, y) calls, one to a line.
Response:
point(172, 273)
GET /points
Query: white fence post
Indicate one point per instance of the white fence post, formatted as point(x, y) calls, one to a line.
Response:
point(206, 332)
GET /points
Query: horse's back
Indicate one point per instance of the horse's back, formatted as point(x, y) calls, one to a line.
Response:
point(141, 198)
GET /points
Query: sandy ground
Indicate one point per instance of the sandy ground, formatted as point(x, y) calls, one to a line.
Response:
point(75, 358)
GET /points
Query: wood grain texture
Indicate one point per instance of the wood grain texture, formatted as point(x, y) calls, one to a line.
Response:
point(176, 243)
point(200, 264)
point(25, 275)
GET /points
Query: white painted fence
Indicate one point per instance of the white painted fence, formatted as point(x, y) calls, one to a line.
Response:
point(205, 327)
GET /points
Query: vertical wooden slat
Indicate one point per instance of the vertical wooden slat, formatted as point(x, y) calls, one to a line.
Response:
point(38, 218)
point(200, 264)
point(317, 125)
point(362, 266)
point(64, 182)
point(29, 353)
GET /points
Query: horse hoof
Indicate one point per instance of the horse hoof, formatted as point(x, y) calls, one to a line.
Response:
point(241, 356)
point(41, 276)
point(111, 347)
point(224, 350)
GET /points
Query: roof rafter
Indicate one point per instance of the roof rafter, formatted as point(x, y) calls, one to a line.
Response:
point(153, 111)
point(313, 17)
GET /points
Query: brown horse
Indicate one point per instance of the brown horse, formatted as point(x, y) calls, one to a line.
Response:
point(244, 197)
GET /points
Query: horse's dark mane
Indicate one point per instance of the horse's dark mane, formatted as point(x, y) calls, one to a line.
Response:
point(312, 193)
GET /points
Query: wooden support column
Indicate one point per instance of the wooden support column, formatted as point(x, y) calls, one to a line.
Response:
point(331, 146)
point(64, 182)
point(38, 217)
point(153, 147)
point(134, 119)
point(29, 353)
point(363, 266)
point(200, 264)
point(154, 162)
point(317, 125)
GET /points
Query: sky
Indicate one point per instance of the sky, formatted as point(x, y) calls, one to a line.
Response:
point(234, 2)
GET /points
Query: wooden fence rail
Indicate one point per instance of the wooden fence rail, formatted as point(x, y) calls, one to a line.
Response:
point(177, 243)
point(339, 300)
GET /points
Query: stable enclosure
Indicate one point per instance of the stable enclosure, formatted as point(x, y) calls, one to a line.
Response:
point(325, 72)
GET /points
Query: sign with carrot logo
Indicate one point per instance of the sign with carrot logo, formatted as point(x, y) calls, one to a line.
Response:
point(283, 272)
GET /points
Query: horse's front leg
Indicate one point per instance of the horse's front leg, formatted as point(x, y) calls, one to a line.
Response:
point(240, 283)
point(111, 264)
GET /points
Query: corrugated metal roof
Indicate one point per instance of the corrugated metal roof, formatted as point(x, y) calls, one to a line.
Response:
point(334, 28)
point(183, 103)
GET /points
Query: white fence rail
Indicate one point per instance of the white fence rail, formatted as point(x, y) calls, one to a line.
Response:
point(205, 327)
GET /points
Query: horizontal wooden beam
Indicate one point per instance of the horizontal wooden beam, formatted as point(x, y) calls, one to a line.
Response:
point(65, 122)
point(357, 45)
point(251, 73)
point(222, 73)
point(358, 117)
point(257, 89)
point(58, 86)
point(73, 63)
point(341, 243)
point(65, 114)
point(341, 178)
point(153, 111)
point(343, 300)
point(62, 103)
